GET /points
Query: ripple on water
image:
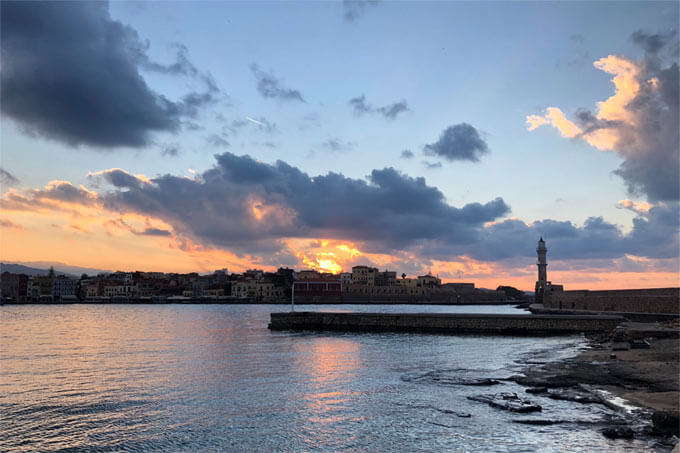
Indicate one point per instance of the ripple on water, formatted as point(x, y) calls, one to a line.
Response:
point(213, 378)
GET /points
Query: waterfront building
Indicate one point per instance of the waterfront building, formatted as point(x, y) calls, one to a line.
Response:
point(39, 288)
point(375, 291)
point(460, 287)
point(364, 275)
point(429, 281)
point(254, 274)
point(64, 288)
point(346, 278)
point(328, 287)
point(407, 282)
point(92, 291)
point(14, 286)
point(386, 278)
point(121, 291)
point(259, 290)
point(307, 274)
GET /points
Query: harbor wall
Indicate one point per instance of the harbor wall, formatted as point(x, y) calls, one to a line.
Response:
point(445, 323)
point(655, 300)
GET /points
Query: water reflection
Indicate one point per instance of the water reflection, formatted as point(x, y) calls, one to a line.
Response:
point(191, 378)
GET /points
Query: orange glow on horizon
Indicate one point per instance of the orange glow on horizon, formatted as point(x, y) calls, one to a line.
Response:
point(31, 237)
point(88, 235)
point(323, 255)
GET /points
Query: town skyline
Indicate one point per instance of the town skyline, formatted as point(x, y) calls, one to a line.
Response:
point(319, 135)
point(362, 284)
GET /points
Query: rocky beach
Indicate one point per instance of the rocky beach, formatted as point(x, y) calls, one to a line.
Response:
point(619, 370)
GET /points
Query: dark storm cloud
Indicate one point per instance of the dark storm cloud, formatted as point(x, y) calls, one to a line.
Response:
point(649, 142)
point(653, 42)
point(117, 177)
point(458, 142)
point(147, 231)
point(7, 179)
point(654, 235)
point(181, 66)
point(588, 122)
point(67, 192)
point(154, 232)
point(71, 73)
point(355, 8)
point(270, 87)
point(652, 150)
point(391, 111)
point(243, 204)
point(55, 191)
point(407, 154)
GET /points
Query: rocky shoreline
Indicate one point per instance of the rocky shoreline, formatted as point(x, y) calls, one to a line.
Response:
point(640, 385)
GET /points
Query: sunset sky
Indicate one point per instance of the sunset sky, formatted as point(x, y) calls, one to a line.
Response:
point(441, 137)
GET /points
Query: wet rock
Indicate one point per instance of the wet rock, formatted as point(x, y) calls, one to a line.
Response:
point(620, 346)
point(666, 422)
point(574, 395)
point(507, 401)
point(620, 334)
point(456, 413)
point(539, 422)
point(618, 432)
point(639, 344)
point(548, 382)
point(542, 389)
point(481, 382)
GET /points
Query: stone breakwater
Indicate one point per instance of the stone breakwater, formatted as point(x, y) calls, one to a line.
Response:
point(445, 323)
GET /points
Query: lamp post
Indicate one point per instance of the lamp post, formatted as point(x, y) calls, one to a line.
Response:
point(292, 297)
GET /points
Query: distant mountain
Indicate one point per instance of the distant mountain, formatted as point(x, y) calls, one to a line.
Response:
point(43, 267)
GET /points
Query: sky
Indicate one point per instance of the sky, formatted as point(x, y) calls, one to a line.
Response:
point(441, 137)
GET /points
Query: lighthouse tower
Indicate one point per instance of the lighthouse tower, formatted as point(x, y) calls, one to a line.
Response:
point(542, 282)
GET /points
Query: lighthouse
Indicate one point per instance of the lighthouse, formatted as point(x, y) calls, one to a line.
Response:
point(542, 263)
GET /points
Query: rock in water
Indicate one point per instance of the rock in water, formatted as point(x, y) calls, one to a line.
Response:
point(666, 422)
point(618, 432)
point(539, 422)
point(574, 395)
point(507, 401)
point(537, 390)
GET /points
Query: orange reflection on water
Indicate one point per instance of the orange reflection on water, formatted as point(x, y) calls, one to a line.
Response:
point(331, 364)
point(331, 358)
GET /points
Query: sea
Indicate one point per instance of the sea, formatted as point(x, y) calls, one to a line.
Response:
point(186, 378)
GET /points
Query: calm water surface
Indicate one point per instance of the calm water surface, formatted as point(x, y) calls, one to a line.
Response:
point(214, 378)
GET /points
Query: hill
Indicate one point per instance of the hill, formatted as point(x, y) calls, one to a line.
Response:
point(43, 269)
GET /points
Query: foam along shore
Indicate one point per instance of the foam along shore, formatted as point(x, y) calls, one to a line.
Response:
point(446, 323)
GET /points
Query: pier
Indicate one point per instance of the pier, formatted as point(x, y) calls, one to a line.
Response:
point(444, 323)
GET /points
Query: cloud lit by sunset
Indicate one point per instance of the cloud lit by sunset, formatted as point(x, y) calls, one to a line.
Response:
point(188, 159)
